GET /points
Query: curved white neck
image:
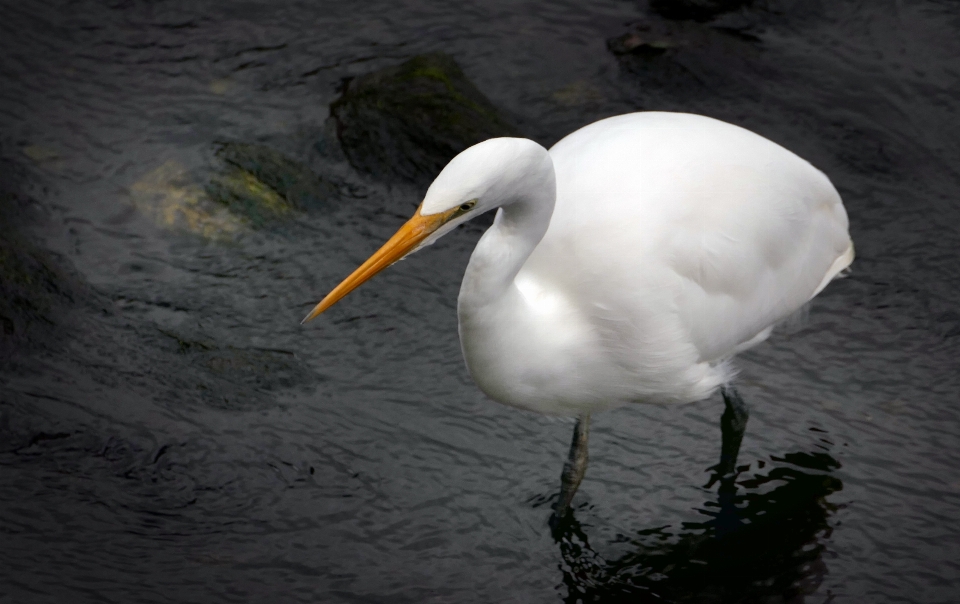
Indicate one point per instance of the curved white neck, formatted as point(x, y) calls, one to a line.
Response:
point(500, 254)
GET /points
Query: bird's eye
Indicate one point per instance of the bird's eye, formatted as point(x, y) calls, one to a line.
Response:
point(466, 207)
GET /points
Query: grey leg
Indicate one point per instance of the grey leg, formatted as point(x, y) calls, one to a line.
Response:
point(733, 423)
point(574, 468)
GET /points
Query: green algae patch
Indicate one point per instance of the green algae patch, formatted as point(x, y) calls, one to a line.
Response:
point(248, 198)
point(262, 185)
point(407, 121)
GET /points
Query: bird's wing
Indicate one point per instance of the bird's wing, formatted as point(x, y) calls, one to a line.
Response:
point(756, 243)
point(687, 236)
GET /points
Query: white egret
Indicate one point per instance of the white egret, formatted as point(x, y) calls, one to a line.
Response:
point(627, 264)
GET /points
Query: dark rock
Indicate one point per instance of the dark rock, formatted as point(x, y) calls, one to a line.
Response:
point(406, 122)
point(687, 60)
point(695, 10)
point(642, 44)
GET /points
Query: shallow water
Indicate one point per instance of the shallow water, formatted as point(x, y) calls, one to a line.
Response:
point(177, 436)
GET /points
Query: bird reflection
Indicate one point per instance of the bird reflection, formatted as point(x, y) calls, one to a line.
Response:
point(762, 541)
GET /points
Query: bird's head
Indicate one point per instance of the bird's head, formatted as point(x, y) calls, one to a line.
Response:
point(482, 177)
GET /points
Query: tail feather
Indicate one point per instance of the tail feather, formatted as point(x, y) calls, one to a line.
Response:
point(838, 270)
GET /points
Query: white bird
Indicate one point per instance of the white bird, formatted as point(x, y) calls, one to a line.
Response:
point(627, 264)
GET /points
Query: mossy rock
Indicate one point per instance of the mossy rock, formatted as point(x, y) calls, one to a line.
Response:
point(248, 198)
point(695, 10)
point(253, 186)
point(406, 122)
point(261, 184)
point(172, 196)
point(288, 178)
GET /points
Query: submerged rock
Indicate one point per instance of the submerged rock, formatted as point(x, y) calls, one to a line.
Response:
point(253, 186)
point(250, 370)
point(688, 60)
point(263, 172)
point(247, 197)
point(34, 288)
point(695, 10)
point(577, 94)
point(407, 121)
point(174, 199)
point(30, 285)
point(644, 43)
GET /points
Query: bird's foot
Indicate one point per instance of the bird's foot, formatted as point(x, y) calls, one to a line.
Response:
point(724, 473)
point(562, 521)
point(557, 523)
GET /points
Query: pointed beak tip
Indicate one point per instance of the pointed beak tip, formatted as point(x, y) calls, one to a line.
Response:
point(316, 312)
point(310, 317)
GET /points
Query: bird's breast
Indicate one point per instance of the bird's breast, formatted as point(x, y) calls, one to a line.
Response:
point(531, 348)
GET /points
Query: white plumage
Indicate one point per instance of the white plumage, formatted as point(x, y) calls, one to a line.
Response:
point(628, 263)
point(675, 242)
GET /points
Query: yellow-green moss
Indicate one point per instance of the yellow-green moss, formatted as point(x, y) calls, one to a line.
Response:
point(173, 199)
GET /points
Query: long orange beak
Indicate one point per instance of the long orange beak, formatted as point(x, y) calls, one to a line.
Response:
point(402, 243)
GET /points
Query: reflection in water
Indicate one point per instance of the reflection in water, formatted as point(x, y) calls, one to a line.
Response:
point(762, 542)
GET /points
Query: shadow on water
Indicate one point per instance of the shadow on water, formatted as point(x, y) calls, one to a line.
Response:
point(762, 541)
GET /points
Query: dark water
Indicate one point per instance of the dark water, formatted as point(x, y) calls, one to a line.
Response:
point(169, 433)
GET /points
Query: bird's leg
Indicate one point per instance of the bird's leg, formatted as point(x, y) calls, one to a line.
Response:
point(574, 468)
point(733, 423)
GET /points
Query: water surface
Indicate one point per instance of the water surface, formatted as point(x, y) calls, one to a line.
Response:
point(175, 435)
